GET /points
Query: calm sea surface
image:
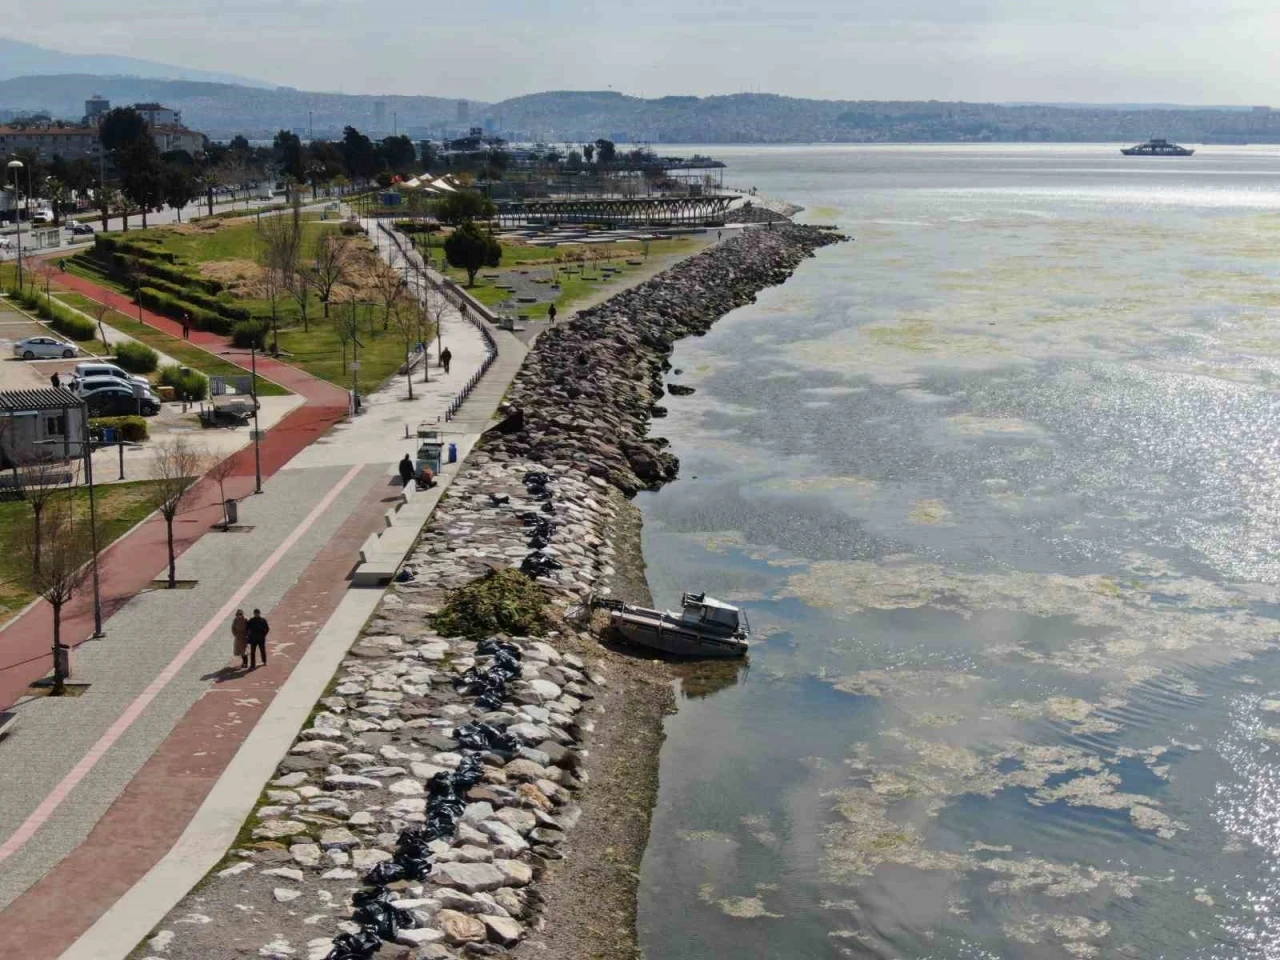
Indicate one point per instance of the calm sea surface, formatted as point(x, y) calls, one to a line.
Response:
point(998, 485)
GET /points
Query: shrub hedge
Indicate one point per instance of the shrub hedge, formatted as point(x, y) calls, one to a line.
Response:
point(250, 332)
point(133, 429)
point(192, 384)
point(59, 316)
point(173, 308)
point(200, 299)
point(136, 357)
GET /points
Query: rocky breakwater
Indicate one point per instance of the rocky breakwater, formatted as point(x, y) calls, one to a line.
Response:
point(440, 775)
point(588, 390)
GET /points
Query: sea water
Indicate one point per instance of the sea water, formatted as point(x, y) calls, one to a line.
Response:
point(998, 486)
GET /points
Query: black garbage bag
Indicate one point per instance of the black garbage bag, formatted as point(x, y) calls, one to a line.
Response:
point(483, 736)
point(355, 946)
point(384, 918)
point(470, 772)
point(540, 565)
point(416, 861)
point(492, 646)
point(499, 501)
point(536, 478)
point(388, 871)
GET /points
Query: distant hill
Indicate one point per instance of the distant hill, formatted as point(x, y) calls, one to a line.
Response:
point(223, 110)
point(19, 59)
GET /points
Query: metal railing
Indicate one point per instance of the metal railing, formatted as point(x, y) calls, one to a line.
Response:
point(465, 307)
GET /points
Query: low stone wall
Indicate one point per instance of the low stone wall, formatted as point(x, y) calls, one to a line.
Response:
point(588, 390)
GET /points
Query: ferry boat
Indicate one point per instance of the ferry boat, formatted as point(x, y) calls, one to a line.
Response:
point(1157, 148)
point(704, 627)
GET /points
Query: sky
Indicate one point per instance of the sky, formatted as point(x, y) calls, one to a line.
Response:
point(1170, 51)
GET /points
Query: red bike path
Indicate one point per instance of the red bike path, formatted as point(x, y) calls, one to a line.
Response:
point(131, 563)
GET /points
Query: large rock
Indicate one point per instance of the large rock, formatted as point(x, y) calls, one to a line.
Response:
point(513, 872)
point(276, 829)
point(502, 930)
point(470, 877)
point(460, 928)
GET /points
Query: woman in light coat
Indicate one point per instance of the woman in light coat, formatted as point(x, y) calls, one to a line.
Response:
point(240, 637)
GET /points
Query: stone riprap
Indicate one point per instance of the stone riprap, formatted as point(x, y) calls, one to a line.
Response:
point(587, 391)
point(330, 830)
point(361, 773)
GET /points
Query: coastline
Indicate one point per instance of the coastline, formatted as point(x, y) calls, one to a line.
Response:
point(544, 860)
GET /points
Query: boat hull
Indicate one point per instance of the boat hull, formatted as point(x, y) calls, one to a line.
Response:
point(666, 636)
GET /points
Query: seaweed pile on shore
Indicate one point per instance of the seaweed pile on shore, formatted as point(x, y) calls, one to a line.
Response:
point(589, 388)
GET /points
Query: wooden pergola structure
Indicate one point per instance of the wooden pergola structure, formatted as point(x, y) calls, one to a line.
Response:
point(615, 211)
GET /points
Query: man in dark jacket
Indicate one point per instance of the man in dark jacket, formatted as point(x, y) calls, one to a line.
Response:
point(258, 630)
point(407, 472)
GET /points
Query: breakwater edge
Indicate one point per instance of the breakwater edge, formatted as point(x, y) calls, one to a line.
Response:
point(479, 778)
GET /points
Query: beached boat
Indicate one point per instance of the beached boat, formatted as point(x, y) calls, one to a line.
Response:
point(704, 627)
point(1157, 148)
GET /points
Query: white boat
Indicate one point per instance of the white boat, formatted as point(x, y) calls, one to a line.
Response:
point(704, 627)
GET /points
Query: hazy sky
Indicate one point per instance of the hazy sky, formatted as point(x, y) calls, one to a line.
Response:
point(1187, 51)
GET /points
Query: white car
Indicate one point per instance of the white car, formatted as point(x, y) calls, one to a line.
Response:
point(83, 386)
point(44, 348)
point(100, 369)
point(43, 216)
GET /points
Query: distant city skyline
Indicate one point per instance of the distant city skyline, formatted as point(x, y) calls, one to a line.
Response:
point(1166, 51)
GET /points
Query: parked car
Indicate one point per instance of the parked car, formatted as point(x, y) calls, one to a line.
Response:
point(119, 402)
point(43, 216)
point(43, 348)
point(84, 386)
point(82, 229)
point(100, 369)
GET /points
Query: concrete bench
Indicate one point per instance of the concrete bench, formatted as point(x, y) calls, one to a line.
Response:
point(374, 574)
point(397, 538)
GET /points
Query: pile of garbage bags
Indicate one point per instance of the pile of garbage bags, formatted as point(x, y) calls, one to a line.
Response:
point(489, 685)
point(379, 918)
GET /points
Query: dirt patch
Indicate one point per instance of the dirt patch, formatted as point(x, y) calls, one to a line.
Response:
point(590, 896)
point(243, 278)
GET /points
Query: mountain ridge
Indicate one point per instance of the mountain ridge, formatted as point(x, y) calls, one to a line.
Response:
point(18, 59)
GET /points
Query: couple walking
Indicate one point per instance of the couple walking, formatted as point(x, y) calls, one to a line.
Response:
point(250, 638)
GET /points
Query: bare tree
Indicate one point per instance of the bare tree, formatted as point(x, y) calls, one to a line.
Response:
point(344, 326)
point(281, 245)
point(100, 311)
point(436, 305)
point(178, 465)
point(39, 475)
point(54, 565)
point(391, 288)
point(329, 267)
point(406, 315)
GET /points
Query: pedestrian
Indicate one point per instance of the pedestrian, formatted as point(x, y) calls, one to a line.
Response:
point(551, 314)
point(55, 380)
point(257, 629)
point(719, 234)
point(240, 639)
point(446, 357)
point(406, 471)
point(186, 325)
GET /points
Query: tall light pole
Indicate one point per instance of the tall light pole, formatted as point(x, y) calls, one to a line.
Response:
point(14, 167)
point(257, 434)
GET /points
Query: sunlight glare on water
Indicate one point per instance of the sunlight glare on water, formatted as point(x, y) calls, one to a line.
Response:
point(999, 486)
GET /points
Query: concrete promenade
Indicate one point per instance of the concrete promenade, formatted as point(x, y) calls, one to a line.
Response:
point(164, 746)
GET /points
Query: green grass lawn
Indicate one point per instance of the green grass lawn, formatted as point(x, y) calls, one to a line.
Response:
point(319, 351)
point(237, 241)
point(176, 347)
point(573, 286)
point(120, 506)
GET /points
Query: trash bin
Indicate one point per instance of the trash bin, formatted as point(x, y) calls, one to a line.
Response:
point(233, 511)
point(108, 434)
point(453, 453)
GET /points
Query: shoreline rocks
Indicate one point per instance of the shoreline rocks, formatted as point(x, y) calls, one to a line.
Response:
point(589, 388)
point(365, 779)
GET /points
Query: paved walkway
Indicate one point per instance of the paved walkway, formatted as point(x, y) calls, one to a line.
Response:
point(131, 563)
point(106, 783)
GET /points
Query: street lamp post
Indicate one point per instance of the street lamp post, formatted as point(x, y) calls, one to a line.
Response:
point(15, 166)
point(257, 434)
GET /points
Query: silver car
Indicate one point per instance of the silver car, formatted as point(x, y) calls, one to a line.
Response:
point(44, 348)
